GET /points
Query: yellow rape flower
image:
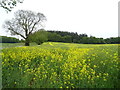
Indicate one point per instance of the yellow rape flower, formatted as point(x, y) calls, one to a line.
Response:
point(61, 87)
point(94, 66)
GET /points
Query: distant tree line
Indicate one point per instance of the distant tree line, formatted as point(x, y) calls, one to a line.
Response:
point(71, 37)
point(6, 39)
point(113, 40)
point(42, 36)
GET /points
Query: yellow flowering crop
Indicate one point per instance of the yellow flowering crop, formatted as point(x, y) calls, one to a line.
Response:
point(61, 65)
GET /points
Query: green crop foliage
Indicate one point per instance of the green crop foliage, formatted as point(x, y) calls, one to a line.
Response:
point(61, 65)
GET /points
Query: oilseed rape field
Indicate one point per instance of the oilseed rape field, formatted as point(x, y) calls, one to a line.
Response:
point(61, 65)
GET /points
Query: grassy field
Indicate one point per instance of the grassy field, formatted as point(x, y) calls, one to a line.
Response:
point(61, 65)
point(8, 45)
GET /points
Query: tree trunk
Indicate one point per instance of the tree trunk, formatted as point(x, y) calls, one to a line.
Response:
point(27, 42)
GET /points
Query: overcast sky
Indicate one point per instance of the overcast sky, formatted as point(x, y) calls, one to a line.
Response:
point(98, 18)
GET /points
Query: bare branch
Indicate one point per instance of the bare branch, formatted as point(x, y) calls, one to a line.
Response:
point(25, 23)
point(15, 32)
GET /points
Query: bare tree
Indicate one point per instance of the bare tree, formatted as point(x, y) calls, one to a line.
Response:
point(8, 5)
point(25, 23)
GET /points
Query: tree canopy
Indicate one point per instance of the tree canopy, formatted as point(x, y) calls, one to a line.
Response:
point(39, 37)
point(8, 5)
point(25, 23)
